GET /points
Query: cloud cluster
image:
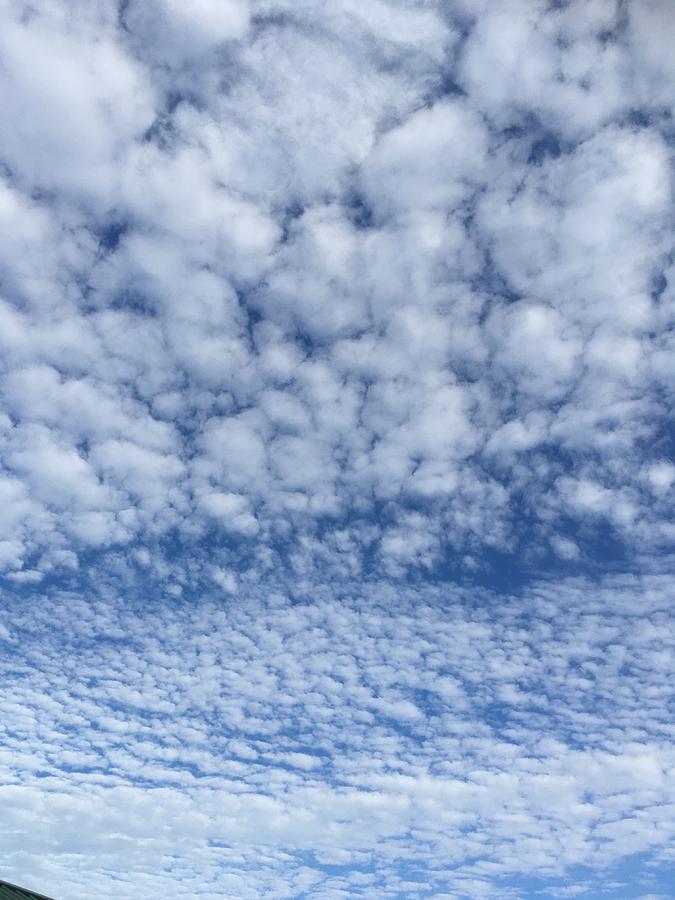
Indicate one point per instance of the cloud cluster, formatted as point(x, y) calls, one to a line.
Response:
point(290, 279)
point(375, 295)
point(363, 742)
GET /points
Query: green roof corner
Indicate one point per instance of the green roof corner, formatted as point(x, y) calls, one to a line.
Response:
point(12, 892)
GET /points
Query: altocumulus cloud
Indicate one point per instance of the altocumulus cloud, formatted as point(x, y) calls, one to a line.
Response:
point(336, 473)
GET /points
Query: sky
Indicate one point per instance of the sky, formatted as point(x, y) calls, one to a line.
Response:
point(337, 480)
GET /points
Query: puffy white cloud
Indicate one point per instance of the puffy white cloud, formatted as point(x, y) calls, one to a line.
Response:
point(298, 296)
point(219, 21)
point(564, 65)
point(430, 161)
point(652, 63)
point(73, 95)
point(233, 511)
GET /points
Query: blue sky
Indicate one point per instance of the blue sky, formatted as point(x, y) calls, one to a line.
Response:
point(336, 462)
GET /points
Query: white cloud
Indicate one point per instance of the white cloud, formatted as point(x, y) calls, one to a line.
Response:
point(287, 294)
point(399, 178)
point(273, 739)
point(298, 306)
point(232, 510)
point(218, 21)
point(72, 95)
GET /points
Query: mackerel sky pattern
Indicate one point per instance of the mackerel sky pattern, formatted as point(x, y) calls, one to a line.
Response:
point(337, 363)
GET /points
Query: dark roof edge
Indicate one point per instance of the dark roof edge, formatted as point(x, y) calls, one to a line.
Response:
point(24, 890)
